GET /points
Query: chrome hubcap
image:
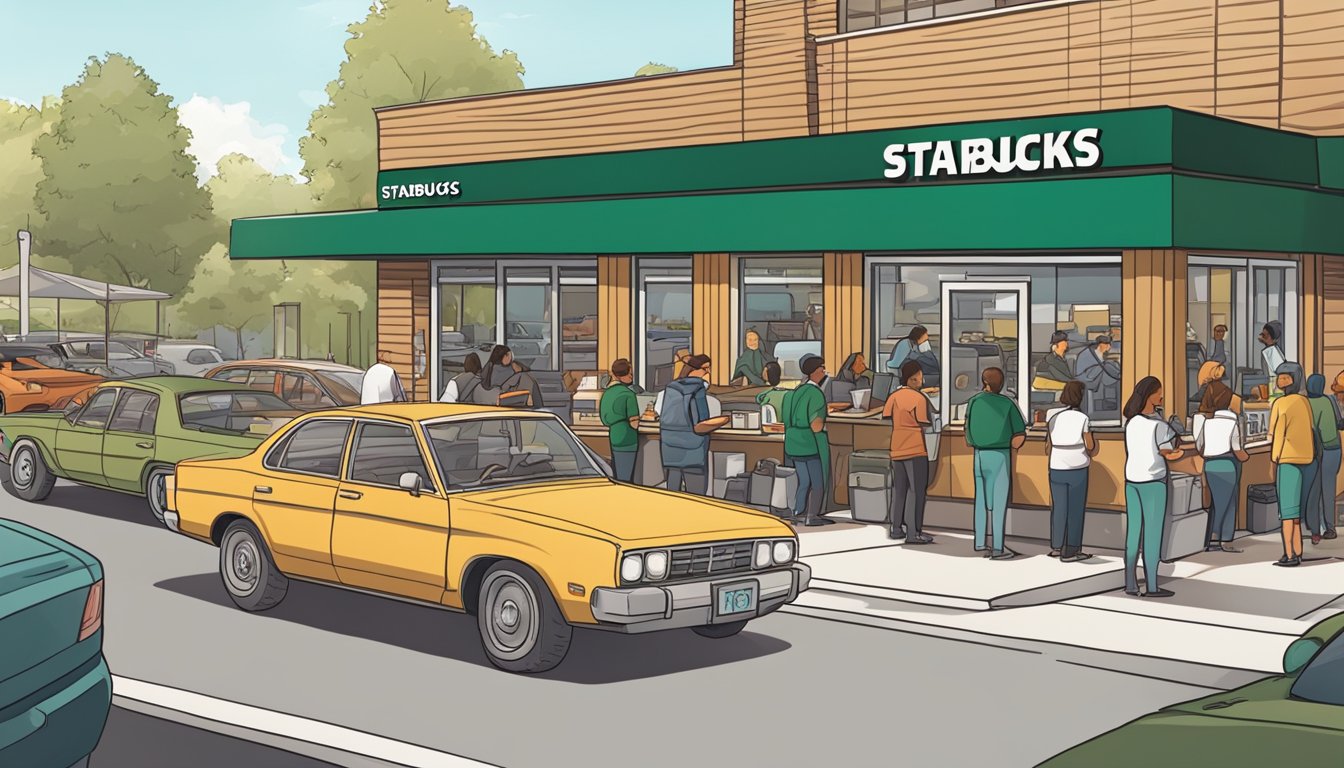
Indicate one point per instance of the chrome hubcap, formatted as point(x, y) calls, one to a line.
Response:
point(242, 564)
point(508, 614)
point(158, 492)
point(511, 610)
point(23, 470)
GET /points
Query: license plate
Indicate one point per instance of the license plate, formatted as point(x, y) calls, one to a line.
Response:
point(735, 598)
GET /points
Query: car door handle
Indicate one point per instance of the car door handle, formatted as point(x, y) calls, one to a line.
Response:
point(351, 495)
point(262, 489)
point(145, 444)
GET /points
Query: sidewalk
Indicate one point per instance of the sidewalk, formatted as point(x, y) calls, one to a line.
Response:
point(1230, 610)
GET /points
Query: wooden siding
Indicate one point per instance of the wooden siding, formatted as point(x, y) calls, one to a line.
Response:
point(1310, 305)
point(775, 71)
point(615, 337)
point(403, 309)
point(1332, 308)
point(712, 312)
point(842, 295)
point(1154, 311)
point(1313, 66)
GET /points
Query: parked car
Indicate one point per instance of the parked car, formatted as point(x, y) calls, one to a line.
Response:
point(189, 358)
point(305, 384)
point(129, 434)
point(1296, 717)
point(55, 688)
point(123, 361)
point(32, 379)
point(500, 513)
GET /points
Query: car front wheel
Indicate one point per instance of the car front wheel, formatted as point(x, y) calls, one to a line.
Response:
point(29, 477)
point(718, 631)
point(156, 491)
point(522, 629)
point(250, 575)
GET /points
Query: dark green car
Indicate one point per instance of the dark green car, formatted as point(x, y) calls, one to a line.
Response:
point(128, 435)
point(1296, 718)
point(55, 690)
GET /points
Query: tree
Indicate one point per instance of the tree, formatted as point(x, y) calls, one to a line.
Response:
point(323, 293)
point(654, 68)
point(244, 188)
point(20, 169)
point(238, 295)
point(404, 52)
point(119, 190)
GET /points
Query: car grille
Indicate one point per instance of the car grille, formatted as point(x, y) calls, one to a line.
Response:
point(714, 559)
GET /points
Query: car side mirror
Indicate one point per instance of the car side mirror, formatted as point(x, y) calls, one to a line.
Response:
point(410, 482)
point(1299, 653)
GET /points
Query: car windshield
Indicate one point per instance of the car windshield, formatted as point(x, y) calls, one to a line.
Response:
point(345, 385)
point(491, 452)
point(243, 413)
point(1323, 679)
point(38, 361)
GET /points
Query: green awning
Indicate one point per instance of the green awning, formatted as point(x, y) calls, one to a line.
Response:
point(1138, 211)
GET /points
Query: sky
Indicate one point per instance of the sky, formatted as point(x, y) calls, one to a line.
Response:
point(246, 74)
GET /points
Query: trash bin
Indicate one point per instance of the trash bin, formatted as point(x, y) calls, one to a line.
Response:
point(722, 466)
point(1180, 488)
point(1262, 513)
point(869, 497)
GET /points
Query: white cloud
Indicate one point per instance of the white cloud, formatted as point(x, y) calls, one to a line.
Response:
point(218, 129)
point(313, 98)
point(511, 16)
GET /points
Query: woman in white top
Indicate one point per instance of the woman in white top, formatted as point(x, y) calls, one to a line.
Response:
point(1150, 443)
point(1070, 442)
point(1220, 443)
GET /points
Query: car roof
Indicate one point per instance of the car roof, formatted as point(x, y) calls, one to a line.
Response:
point(298, 365)
point(1326, 629)
point(178, 385)
point(427, 411)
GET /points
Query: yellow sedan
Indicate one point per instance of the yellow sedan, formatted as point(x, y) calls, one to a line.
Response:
point(500, 513)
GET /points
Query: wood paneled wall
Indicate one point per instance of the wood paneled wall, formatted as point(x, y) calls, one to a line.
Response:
point(1153, 327)
point(843, 308)
point(1313, 66)
point(1311, 306)
point(403, 309)
point(615, 297)
point(775, 70)
point(712, 312)
point(1332, 321)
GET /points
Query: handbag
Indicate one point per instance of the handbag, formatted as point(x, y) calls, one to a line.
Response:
point(1048, 385)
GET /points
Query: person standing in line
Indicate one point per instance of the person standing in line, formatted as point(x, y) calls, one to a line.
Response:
point(1219, 440)
point(1070, 444)
point(684, 424)
point(619, 411)
point(1293, 453)
point(772, 400)
point(994, 429)
point(908, 409)
point(380, 383)
point(503, 374)
point(805, 443)
point(461, 386)
point(1150, 445)
point(1321, 499)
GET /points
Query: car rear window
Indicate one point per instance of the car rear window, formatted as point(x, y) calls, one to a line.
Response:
point(240, 412)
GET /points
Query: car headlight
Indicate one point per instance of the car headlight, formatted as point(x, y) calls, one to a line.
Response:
point(783, 552)
point(34, 387)
point(632, 568)
point(762, 557)
point(655, 565)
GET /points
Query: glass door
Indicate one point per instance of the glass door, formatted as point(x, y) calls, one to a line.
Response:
point(528, 318)
point(985, 325)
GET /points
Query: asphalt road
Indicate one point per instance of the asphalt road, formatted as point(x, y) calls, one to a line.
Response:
point(133, 740)
point(790, 690)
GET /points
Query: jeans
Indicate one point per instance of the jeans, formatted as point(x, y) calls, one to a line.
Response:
point(1321, 501)
point(811, 485)
point(1145, 516)
point(1068, 508)
point(992, 485)
point(696, 479)
point(909, 477)
point(1223, 474)
point(624, 464)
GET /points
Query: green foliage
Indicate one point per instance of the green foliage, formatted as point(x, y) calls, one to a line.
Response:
point(119, 190)
point(20, 170)
point(238, 295)
point(404, 52)
point(244, 188)
point(323, 293)
point(654, 68)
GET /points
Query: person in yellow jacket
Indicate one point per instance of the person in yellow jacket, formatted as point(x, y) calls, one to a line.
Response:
point(1294, 454)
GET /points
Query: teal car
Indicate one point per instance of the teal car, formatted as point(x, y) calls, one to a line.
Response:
point(55, 689)
point(1296, 718)
point(128, 435)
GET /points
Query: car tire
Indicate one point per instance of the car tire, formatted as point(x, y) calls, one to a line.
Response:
point(29, 477)
point(157, 498)
point(521, 626)
point(720, 631)
point(250, 576)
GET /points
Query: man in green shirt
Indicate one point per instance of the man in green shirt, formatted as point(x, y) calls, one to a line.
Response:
point(805, 444)
point(994, 428)
point(619, 410)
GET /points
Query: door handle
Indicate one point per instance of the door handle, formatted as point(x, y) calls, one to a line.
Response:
point(145, 444)
point(351, 495)
point(262, 489)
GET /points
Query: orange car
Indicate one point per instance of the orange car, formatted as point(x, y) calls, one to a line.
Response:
point(32, 379)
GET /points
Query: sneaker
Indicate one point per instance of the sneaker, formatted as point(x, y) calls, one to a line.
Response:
point(1006, 554)
point(1229, 548)
point(1132, 592)
point(813, 523)
point(918, 540)
point(1214, 547)
point(895, 534)
point(1315, 538)
point(1159, 593)
point(1054, 553)
point(1330, 535)
point(1078, 558)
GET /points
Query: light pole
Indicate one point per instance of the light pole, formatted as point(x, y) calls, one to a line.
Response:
point(347, 336)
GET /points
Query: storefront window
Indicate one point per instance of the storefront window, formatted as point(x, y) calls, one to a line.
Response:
point(781, 302)
point(467, 311)
point(665, 307)
point(1231, 301)
point(578, 317)
point(527, 315)
point(1079, 301)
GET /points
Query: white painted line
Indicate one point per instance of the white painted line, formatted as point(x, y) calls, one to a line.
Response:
point(288, 726)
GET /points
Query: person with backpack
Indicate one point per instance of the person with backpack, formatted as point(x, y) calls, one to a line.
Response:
point(685, 421)
point(461, 386)
point(619, 410)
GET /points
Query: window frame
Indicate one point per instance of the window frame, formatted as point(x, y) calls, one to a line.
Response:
point(999, 6)
point(347, 464)
point(83, 412)
point(641, 311)
point(281, 447)
point(1249, 330)
point(127, 394)
point(739, 295)
point(451, 489)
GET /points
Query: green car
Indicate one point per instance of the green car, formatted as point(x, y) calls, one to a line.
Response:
point(1296, 718)
point(128, 435)
point(55, 690)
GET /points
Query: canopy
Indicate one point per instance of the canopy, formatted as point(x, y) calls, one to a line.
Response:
point(54, 285)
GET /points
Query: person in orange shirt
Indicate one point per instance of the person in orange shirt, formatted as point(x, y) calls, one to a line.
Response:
point(908, 409)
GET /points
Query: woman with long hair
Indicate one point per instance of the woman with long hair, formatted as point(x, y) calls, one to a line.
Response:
point(1150, 444)
point(1070, 444)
